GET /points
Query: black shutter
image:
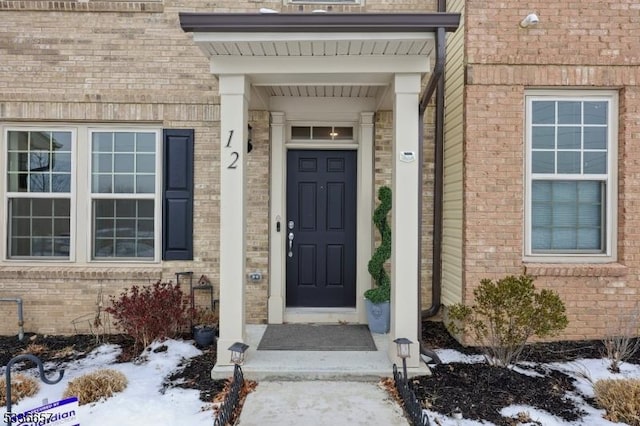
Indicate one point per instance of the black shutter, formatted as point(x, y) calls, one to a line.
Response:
point(177, 195)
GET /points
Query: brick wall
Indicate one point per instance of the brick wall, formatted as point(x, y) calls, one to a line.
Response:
point(590, 44)
point(129, 62)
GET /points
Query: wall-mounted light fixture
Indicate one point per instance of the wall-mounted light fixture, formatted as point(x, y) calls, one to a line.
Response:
point(529, 20)
point(249, 138)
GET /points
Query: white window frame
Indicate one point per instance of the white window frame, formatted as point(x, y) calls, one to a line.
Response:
point(81, 223)
point(4, 190)
point(609, 253)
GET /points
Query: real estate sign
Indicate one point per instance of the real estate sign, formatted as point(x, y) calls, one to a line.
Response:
point(64, 412)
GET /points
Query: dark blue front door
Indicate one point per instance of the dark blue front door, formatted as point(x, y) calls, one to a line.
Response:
point(321, 228)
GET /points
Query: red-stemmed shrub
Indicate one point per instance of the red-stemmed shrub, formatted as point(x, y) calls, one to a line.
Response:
point(150, 313)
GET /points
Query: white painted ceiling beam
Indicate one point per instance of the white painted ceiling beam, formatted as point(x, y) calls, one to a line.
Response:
point(319, 65)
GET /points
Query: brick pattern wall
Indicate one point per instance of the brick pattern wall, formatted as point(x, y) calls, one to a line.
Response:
point(129, 62)
point(592, 44)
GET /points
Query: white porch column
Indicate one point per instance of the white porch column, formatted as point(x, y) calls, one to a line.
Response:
point(234, 113)
point(404, 227)
point(365, 232)
point(276, 239)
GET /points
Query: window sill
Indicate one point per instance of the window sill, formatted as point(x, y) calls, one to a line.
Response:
point(84, 272)
point(575, 270)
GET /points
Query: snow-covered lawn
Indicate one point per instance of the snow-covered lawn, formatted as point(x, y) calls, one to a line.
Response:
point(142, 402)
point(145, 402)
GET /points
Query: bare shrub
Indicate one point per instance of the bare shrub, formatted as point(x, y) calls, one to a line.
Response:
point(35, 349)
point(620, 399)
point(150, 313)
point(21, 387)
point(621, 341)
point(95, 386)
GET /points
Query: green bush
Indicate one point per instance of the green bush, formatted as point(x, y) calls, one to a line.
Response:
point(382, 291)
point(506, 313)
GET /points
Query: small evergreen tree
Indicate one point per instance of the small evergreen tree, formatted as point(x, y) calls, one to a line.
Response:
point(382, 291)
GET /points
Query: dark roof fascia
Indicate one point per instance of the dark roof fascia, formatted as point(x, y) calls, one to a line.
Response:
point(318, 22)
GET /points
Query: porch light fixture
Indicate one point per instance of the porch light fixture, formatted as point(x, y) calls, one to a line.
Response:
point(237, 352)
point(249, 138)
point(404, 352)
point(530, 19)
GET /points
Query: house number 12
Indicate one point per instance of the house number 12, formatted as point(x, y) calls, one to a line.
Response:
point(234, 154)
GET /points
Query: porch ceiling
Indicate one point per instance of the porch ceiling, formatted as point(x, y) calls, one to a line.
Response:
point(318, 55)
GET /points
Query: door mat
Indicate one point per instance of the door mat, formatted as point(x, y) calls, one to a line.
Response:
point(314, 337)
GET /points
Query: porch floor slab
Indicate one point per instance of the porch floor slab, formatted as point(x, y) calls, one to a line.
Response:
point(314, 365)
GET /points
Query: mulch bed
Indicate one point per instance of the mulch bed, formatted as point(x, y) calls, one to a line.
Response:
point(480, 391)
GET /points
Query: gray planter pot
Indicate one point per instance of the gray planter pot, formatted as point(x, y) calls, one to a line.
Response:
point(378, 316)
point(204, 335)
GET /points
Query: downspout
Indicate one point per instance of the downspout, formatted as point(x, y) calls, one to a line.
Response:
point(435, 84)
point(18, 301)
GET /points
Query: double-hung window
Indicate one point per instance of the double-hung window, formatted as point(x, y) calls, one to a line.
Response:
point(571, 176)
point(82, 193)
point(38, 187)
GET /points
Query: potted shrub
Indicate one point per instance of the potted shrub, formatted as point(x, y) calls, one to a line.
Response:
point(205, 325)
point(378, 297)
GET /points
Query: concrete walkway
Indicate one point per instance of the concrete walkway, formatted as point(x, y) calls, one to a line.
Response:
point(320, 403)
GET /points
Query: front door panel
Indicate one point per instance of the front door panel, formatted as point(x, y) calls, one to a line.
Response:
point(321, 228)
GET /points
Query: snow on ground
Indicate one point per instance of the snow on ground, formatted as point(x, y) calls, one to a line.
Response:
point(142, 402)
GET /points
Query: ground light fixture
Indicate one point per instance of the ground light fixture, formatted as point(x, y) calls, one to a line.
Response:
point(403, 346)
point(237, 352)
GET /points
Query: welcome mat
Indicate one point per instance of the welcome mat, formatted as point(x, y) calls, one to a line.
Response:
point(314, 337)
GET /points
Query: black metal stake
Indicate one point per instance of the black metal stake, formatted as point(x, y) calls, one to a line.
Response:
point(36, 361)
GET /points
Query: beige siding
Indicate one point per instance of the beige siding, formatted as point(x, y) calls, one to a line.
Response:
point(453, 170)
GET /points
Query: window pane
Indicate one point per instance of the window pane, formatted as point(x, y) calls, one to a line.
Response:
point(33, 156)
point(145, 163)
point(569, 112)
point(343, 132)
point(298, 132)
point(571, 221)
point(543, 162)
point(569, 137)
point(595, 138)
point(61, 162)
point(123, 229)
point(60, 182)
point(102, 163)
point(595, 162)
point(124, 142)
point(543, 137)
point(61, 141)
point(146, 142)
point(39, 182)
point(595, 112)
point(145, 184)
point(544, 112)
point(35, 230)
point(322, 132)
point(123, 184)
point(18, 141)
point(568, 162)
point(102, 142)
point(118, 170)
point(123, 163)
